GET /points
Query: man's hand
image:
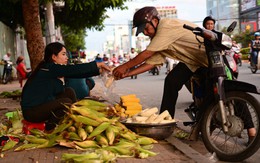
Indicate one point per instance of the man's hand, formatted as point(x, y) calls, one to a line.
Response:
point(119, 72)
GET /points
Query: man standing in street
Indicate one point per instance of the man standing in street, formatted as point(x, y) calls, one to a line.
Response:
point(133, 54)
point(6, 59)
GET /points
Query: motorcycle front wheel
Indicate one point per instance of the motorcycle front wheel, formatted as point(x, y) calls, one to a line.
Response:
point(253, 68)
point(233, 145)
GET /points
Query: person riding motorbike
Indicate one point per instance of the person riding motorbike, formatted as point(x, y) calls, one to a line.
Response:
point(209, 23)
point(255, 47)
point(236, 53)
point(168, 39)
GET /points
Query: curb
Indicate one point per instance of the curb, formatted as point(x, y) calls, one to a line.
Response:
point(188, 151)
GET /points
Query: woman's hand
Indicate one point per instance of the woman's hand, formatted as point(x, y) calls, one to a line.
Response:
point(103, 67)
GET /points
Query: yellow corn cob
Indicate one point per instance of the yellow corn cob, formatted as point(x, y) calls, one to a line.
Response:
point(61, 127)
point(134, 107)
point(151, 118)
point(26, 147)
point(82, 133)
point(167, 121)
point(120, 126)
point(72, 129)
point(9, 145)
point(84, 120)
point(87, 102)
point(132, 112)
point(89, 129)
point(35, 140)
point(129, 103)
point(115, 129)
point(149, 112)
point(145, 140)
point(87, 144)
point(123, 143)
point(139, 119)
point(119, 150)
point(110, 135)
point(67, 144)
point(127, 136)
point(137, 100)
point(72, 136)
point(86, 113)
point(101, 140)
point(87, 157)
point(161, 116)
point(127, 96)
point(99, 129)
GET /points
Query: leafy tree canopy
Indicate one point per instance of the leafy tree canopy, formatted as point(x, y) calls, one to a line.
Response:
point(74, 41)
point(76, 14)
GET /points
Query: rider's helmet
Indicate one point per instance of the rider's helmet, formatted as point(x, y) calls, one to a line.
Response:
point(207, 19)
point(143, 16)
point(257, 34)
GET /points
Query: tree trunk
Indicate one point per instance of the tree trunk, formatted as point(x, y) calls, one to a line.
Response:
point(33, 29)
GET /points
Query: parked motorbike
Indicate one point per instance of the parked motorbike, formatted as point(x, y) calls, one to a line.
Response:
point(7, 74)
point(223, 107)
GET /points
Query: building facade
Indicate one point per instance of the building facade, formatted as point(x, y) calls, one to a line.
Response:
point(225, 12)
point(250, 15)
point(245, 12)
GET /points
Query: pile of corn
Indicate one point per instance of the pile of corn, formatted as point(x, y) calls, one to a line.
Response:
point(86, 127)
point(131, 104)
point(151, 115)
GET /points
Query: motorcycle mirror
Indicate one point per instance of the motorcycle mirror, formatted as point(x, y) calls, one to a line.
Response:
point(232, 26)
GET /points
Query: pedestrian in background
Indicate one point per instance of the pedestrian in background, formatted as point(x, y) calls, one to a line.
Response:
point(133, 54)
point(22, 72)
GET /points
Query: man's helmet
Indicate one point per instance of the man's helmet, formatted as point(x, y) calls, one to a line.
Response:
point(207, 19)
point(257, 34)
point(143, 16)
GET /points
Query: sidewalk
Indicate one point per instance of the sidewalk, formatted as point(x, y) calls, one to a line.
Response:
point(169, 150)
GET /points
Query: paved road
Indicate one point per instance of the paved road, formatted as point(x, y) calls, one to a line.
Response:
point(149, 89)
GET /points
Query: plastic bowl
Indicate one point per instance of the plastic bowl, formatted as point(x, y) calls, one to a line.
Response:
point(155, 131)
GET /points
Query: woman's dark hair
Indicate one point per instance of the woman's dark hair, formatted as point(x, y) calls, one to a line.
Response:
point(50, 49)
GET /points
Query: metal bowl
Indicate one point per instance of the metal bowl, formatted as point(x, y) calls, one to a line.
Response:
point(156, 131)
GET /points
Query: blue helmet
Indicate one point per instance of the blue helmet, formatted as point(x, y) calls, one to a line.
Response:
point(257, 34)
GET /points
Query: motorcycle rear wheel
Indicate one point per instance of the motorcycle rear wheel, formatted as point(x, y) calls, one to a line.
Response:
point(233, 145)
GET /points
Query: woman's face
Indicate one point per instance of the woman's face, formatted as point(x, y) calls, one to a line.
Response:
point(61, 58)
point(210, 25)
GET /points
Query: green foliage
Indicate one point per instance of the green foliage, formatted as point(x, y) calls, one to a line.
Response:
point(75, 17)
point(245, 50)
point(244, 38)
point(11, 13)
point(79, 14)
point(74, 40)
point(76, 14)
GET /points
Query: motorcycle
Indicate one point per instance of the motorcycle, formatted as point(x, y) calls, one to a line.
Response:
point(236, 55)
point(254, 67)
point(7, 74)
point(223, 108)
point(232, 63)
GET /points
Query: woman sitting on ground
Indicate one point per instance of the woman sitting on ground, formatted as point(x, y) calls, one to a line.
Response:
point(45, 93)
